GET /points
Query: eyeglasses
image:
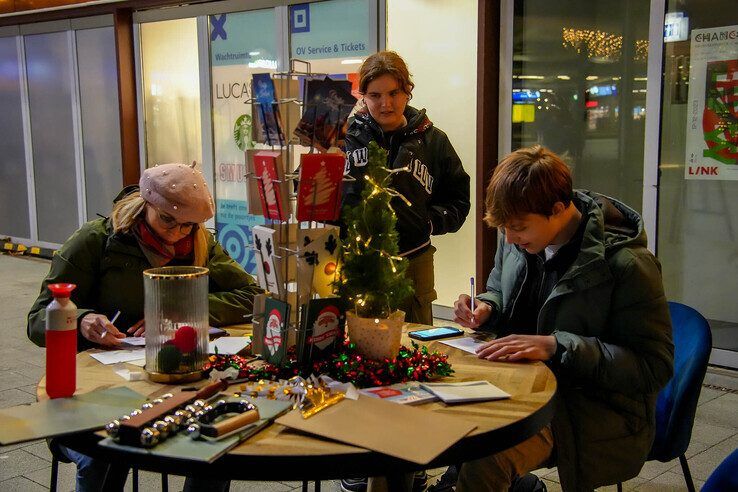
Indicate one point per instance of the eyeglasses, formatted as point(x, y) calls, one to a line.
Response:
point(169, 222)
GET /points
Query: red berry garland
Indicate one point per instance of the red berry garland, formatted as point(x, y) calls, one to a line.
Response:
point(346, 365)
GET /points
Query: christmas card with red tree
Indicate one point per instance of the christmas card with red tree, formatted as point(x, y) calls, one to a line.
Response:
point(273, 189)
point(267, 272)
point(319, 191)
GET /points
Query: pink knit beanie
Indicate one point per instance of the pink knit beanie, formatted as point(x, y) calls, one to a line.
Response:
point(179, 190)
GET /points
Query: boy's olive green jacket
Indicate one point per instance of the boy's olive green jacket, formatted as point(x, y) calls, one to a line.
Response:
point(611, 320)
point(108, 271)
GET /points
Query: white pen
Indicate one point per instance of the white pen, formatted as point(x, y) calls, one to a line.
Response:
point(471, 294)
point(112, 322)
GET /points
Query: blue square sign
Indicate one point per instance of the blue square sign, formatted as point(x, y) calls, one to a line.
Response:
point(300, 18)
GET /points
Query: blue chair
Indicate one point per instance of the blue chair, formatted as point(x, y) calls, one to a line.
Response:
point(725, 476)
point(677, 402)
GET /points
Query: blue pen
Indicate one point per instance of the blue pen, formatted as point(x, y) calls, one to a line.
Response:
point(471, 294)
point(112, 322)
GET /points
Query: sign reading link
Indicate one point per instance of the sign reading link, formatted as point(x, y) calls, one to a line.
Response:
point(330, 29)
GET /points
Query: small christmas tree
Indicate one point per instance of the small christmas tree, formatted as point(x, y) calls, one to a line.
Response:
point(372, 275)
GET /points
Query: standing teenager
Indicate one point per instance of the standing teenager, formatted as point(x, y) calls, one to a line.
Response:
point(435, 183)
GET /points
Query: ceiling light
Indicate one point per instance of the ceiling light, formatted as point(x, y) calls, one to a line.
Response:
point(563, 77)
point(351, 61)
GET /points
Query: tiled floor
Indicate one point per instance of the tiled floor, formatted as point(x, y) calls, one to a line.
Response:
point(27, 466)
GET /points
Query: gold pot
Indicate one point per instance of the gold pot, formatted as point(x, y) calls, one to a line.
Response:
point(376, 338)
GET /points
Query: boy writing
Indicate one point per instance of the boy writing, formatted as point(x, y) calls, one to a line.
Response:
point(573, 285)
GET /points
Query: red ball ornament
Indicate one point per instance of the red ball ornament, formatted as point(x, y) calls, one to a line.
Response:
point(185, 338)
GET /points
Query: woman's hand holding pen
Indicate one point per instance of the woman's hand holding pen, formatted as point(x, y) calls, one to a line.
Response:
point(464, 315)
point(97, 328)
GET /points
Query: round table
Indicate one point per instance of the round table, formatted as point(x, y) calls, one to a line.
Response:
point(278, 453)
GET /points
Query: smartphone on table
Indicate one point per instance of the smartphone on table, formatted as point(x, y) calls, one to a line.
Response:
point(435, 333)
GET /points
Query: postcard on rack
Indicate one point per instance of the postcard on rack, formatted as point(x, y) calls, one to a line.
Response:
point(317, 258)
point(267, 273)
point(253, 197)
point(276, 325)
point(403, 431)
point(267, 120)
point(466, 391)
point(409, 393)
point(321, 330)
point(319, 190)
point(327, 105)
point(273, 188)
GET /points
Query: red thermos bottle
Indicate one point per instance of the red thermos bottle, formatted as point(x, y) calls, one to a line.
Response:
point(61, 342)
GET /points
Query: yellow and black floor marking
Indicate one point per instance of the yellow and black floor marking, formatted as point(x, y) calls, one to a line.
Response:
point(12, 248)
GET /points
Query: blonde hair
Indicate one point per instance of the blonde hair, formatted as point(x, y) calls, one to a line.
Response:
point(127, 211)
point(528, 181)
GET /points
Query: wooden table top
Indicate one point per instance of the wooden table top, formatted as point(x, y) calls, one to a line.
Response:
point(500, 424)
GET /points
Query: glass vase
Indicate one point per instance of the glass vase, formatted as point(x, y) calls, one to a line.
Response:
point(176, 316)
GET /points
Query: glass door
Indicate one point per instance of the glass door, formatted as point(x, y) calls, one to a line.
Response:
point(698, 188)
point(579, 74)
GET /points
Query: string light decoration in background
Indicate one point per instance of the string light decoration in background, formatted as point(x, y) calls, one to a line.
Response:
point(600, 44)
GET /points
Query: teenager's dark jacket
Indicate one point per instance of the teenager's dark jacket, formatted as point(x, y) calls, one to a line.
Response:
point(436, 184)
point(611, 321)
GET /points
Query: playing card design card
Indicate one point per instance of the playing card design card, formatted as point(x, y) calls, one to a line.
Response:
point(273, 190)
point(318, 259)
point(318, 194)
point(321, 329)
point(267, 273)
point(276, 322)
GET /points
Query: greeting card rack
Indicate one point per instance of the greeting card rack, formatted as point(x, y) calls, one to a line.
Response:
point(292, 257)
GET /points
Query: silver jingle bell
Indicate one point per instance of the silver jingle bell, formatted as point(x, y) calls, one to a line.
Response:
point(199, 403)
point(162, 427)
point(190, 421)
point(147, 405)
point(173, 423)
point(166, 396)
point(124, 418)
point(208, 408)
point(185, 414)
point(157, 401)
point(193, 431)
point(149, 437)
point(136, 412)
point(199, 414)
point(191, 408)
point(112, 429)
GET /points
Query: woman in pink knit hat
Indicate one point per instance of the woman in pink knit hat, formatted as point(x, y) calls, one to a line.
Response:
point(157, 223)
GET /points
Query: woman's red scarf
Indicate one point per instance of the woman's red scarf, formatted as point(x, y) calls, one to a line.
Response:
point(157, 251)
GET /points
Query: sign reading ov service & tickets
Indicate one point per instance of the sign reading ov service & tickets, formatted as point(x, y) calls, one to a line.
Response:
point(712, 115)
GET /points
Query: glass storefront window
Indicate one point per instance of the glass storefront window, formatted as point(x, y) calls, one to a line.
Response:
point(579, 88)
point(171, 91)
point(242, 44)
point(698, 209)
